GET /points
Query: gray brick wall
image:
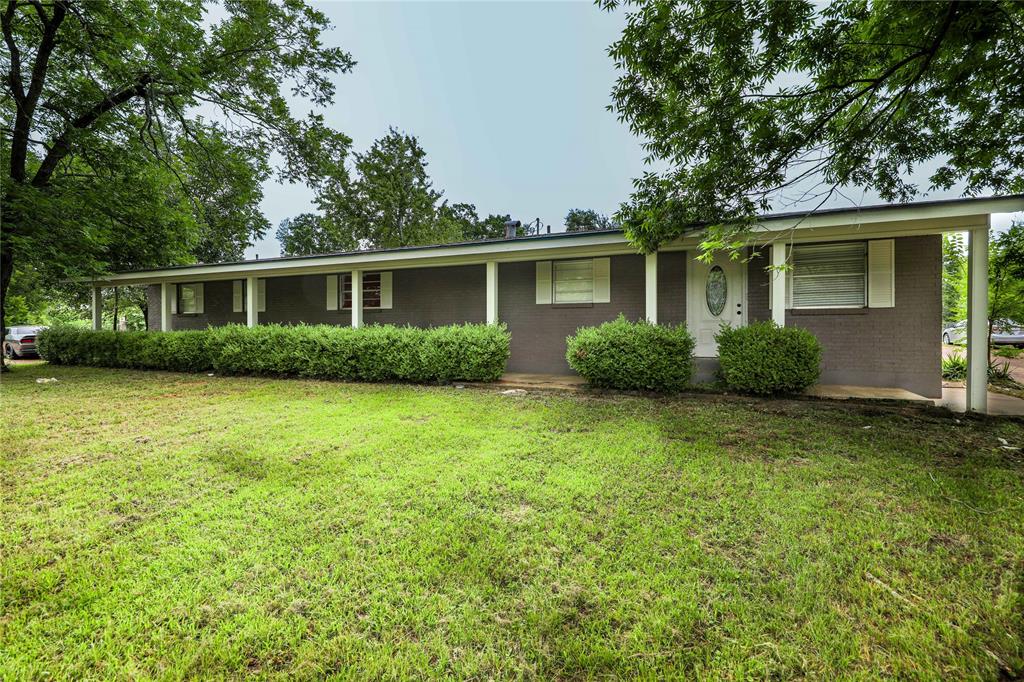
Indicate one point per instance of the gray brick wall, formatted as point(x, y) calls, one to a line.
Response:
point(872, 347)
point(423, 297)
point(897, 346)
point(539, 331)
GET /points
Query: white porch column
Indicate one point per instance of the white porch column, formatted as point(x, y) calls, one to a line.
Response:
point(977, 320)
point(252, 301)
point(778, 277)
point(357, 298)
point(651, 287)
point(166, 291)
point(97, 308)
point(492, 292)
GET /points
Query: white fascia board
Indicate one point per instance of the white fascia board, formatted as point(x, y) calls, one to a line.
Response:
point(462, 254)
point(872, 222)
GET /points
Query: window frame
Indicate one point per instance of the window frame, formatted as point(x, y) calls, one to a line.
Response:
point(345, 292)
point(793, 275)
point(554, 281)
point(181, 301)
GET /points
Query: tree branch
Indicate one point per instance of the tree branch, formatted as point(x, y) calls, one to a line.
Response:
point(62, 145)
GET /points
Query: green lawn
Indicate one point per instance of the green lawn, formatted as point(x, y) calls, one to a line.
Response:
point(162, 525)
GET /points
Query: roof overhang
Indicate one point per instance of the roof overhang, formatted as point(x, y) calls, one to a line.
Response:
point(829, 225)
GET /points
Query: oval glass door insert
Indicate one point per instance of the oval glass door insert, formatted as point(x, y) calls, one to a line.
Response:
point(716, 291)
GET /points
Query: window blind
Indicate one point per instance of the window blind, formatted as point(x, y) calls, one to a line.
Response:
point(829, 275)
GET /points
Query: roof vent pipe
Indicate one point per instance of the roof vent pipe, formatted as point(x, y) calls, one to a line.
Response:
point(512, 228)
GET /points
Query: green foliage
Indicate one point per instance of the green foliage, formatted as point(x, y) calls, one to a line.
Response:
point(1006, 276)
point(765, 358)
point(466, 225)
point(470, 352)
point(582, 220)
point(742, 100)
point(308, 234)
point(954, 368)
point(954, 277)
point(633, 355)
point(114, 157)
point(391, 201)
point(1008, 352)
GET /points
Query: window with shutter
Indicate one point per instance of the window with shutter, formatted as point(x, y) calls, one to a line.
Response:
point(829, 275)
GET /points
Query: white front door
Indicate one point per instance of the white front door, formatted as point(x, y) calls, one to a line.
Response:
point(715, 295)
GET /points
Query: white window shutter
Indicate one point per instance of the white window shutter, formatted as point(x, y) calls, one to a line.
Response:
point(261, 295)
point(602, 280)
point(174, 298)
point(385, 290)
point(543, 282)
point(199, 298)
point(882, 273)
point(237, 298)
point(332, 292)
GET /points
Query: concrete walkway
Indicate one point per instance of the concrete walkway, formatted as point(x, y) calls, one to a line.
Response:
point(953, 395)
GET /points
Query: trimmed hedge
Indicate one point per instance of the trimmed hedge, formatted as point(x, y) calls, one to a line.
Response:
point(632, 355)
point(470, 352)
point(765, 358)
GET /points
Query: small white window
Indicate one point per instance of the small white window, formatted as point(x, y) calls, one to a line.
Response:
point(573, 281)
point(190, 299)
point(829, 275)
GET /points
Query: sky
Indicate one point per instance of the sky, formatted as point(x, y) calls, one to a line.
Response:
point(507, 98)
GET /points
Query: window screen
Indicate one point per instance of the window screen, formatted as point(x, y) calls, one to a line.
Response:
point(829, 275)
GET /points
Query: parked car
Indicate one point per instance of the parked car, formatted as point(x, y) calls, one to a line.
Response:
point(1004, 333)
point(20, 342)
point(955, 333)
point(1008, 333)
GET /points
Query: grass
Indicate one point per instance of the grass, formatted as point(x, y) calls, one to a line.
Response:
point(172, 526)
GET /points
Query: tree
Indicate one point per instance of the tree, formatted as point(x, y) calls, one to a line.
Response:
point(467, 224)
point(308, 233)
point(491, 227)
point(954, 272)
point(110, 158)
point(391, 201)
point(1006, 277)
point(744, 100)
point(584, 219)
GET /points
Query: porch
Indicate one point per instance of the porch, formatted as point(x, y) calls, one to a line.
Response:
point(544, 288)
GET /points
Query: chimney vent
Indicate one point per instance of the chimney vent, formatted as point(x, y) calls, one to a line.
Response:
point(511, 228)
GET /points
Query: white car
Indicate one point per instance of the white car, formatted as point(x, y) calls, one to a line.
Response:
point(1004, 333)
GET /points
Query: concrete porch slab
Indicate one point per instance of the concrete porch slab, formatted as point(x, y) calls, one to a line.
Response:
point(564, 382)
point(846, 392)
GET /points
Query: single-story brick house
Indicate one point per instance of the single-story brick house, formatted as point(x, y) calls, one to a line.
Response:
point(865, 281)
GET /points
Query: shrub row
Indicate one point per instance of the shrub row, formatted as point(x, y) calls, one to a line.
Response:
point(761, 358)
point(471, 352)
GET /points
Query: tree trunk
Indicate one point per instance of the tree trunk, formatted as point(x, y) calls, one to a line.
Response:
point(6, 270)
point(117, 300)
